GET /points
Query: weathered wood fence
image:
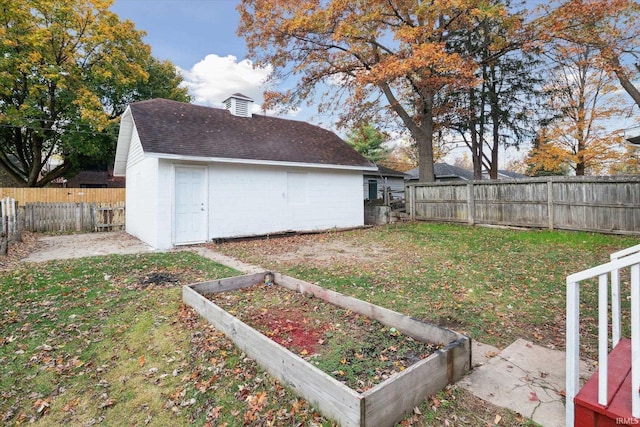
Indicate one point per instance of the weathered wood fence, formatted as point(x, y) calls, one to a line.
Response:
point(26, 195)
point(63, 217)
point(600, 204)
point(67, 209)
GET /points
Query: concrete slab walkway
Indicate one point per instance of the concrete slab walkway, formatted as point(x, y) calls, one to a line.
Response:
point(525, 378)
point(67, 246)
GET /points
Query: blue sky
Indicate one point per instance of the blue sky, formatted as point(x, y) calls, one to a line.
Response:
point(199, 37)
point(185, 31)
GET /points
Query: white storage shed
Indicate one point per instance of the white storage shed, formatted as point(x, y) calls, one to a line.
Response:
point(194, 173)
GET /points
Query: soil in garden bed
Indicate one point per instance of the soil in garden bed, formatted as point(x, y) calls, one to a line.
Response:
point(356, 350)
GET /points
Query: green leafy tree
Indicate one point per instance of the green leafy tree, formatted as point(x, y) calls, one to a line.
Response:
point(67, 69)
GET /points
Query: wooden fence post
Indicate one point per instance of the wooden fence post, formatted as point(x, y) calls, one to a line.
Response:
point(412, 202)
point(21, 214)
point(78, 217)
point(550, 210)
point(471, 204)
point(4, 235)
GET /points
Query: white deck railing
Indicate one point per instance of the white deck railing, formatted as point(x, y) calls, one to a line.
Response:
point(628, 258)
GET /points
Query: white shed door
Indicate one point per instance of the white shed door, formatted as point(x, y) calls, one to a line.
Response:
point(190, 205)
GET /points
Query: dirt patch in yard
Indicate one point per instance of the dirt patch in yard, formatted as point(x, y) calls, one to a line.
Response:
point(19, 250)
point(314, 250)
point(83, 245)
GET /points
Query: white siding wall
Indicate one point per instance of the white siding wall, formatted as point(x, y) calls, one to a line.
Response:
point(142, 199)
point(256, 200)
point(136, 155)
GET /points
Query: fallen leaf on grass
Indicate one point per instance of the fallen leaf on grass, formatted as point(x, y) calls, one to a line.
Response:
point(296, 406)
point(107, 404)
point(70, 406)
point(435, 403)
point(215, 413)
point(141, 361)
point(42, 406)
point(497, 419)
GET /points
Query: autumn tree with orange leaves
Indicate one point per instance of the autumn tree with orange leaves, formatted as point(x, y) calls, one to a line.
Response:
point(367, 57)
point(609, 28)
point(582, 100)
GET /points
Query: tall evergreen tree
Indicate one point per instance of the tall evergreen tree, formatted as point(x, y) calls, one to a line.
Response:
point(368, 141)
point(500, 110)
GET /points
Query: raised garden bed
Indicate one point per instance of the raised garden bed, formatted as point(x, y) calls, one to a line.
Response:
point(355, 350)
point(431, 358)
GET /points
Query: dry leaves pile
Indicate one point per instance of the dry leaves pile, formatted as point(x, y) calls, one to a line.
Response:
point(19, 250)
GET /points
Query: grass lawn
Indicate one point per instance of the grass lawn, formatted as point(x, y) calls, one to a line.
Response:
point(495, 285)
point(107, 341)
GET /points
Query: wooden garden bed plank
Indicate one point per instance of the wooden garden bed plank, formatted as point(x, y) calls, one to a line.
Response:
point(228, 284)
point(405, 324)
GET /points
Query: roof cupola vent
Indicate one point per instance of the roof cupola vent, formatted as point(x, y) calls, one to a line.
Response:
point(239, 105)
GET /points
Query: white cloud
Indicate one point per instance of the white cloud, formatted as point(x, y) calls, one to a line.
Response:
point(214, 78)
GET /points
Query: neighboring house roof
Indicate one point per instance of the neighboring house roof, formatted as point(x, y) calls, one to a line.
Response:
point(95, 178)
point(510, 174)
point(386, 172)
point(175, 129)
point(445, 171)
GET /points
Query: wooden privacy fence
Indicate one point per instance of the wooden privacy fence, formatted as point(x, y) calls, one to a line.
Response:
point(600, 204)
point(61, 217)
point(64, 195)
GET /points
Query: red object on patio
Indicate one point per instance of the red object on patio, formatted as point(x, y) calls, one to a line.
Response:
point(588, 413)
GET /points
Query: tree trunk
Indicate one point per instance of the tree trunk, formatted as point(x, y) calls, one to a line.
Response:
point(476, 150)
point(425, 145)
point(422, 135)
point(493, 167)
point(580, 163)
point(476, 145)
point(625, 82)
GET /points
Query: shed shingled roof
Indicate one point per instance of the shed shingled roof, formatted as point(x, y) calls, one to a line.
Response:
point(177, 128)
